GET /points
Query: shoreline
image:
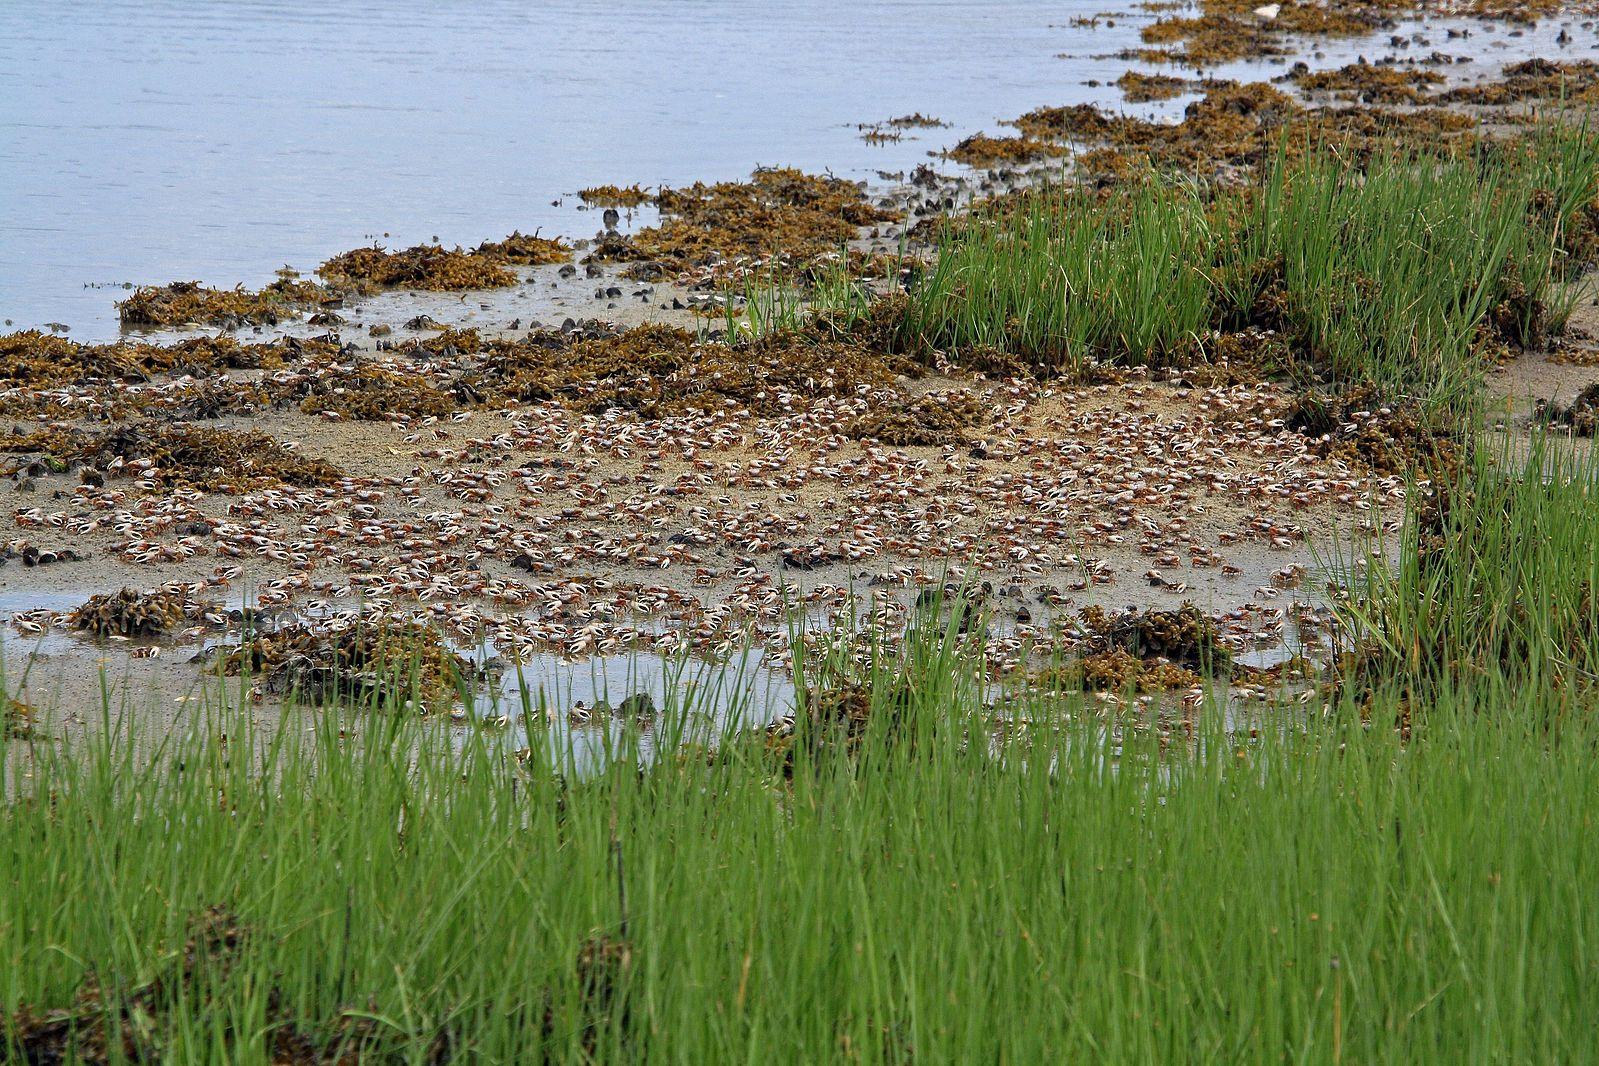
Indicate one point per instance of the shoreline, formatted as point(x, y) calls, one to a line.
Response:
point(1243, 555)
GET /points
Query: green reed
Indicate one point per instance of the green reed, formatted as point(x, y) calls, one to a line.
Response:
point(1389, 272)
point(1071, 277)
point(409, 891)
point(1497, 577)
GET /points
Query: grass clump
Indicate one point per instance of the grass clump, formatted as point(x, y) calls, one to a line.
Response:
point(191, 303)
point(1406, 274)
point(130, 1024)
point(1496, 577)
point(1071, 277)
point(423, 266)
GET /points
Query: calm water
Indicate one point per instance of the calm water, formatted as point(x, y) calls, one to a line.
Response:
point(149, 140)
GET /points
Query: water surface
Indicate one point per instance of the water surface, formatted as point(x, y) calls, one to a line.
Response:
point(154, 140)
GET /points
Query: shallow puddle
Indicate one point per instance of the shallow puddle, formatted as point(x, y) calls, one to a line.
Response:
point(581, 714)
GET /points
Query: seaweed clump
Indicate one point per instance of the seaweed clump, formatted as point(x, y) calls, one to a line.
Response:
point(934, 419)
point(423, 266)
point(781, 212)
point(1237, 125)
point(384, 665)
point(1140, 88)
point(1581, 416)
point(16, 719)
point(1369, 83)
point(526, 249)
point(616, 196)
point(915, 121)
point(659, 371)
point(189, 302)
point(1229, 30)
point(1116, 670)
point(839, 714)
point(1183, 637)
point(369, 392)
point(1358, 425)
point(38, 360)
point(208, 459)
point(1535, 79)
point(130, 613)
point(985, 152)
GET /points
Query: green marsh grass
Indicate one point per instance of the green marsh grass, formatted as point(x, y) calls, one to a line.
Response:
point(1322, 892)
point(1386, 273)
point(1498, 578)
